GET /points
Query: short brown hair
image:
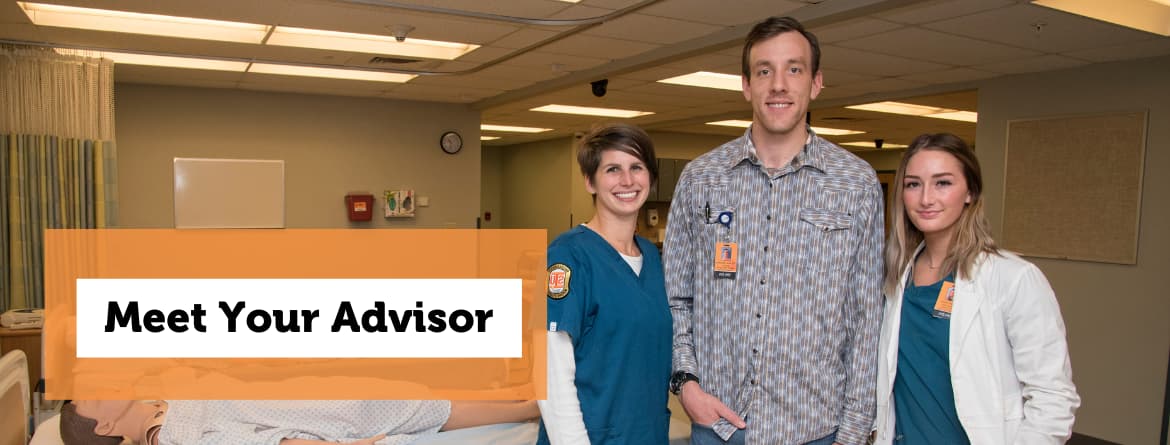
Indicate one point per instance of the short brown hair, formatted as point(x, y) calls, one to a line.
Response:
point(77, 429)
point(773, 27)
point(625, 138)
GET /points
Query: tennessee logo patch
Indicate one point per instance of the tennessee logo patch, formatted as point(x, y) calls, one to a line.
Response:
point(558, 281)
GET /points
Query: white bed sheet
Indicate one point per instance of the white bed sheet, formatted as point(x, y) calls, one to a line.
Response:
point(48, 433)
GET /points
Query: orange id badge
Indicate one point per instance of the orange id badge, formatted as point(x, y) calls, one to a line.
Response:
point(726, 258)
point(946, 298)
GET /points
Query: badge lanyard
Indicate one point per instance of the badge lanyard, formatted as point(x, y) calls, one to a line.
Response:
point(726, 250)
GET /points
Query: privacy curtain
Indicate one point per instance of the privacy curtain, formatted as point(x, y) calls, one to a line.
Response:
point(58, 164)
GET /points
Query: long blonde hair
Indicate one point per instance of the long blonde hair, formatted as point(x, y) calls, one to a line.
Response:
point(973, 236)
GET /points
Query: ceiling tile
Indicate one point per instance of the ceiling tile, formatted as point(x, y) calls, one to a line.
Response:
point(949, 76)
point(852, 29)
point(597, 47)
point(868, 62)
point(523, 38)
point(940, 10)
point(1057, 32)
point(937, 47)
point(1032, 64)
point(1147, 48)
point(833, 78)
point(722, 14)
point(651, 29)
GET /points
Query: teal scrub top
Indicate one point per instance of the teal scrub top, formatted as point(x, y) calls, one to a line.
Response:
point(620, 324)
point(924, 401)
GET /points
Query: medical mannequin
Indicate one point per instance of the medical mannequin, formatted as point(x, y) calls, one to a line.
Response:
point(360, 422)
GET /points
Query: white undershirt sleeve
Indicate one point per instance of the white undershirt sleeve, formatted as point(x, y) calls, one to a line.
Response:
point(562, 411)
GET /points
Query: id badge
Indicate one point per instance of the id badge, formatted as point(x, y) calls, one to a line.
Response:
point(726, 258)
point(946, 299)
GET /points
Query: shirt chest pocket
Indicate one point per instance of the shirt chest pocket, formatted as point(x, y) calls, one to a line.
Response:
point(825, 235)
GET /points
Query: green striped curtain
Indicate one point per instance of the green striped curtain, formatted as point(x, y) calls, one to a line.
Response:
point(48, 182)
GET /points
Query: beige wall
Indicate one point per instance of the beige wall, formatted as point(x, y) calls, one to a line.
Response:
point(535, 188)
point(330, 145)
point(541, 185)
point(491, 180)
point(1116, 314)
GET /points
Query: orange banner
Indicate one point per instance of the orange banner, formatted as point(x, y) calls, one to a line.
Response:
point(291, 254)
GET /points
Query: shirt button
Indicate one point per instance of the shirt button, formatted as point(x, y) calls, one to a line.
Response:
point(769, 217)
point(761, 281)
point(754, 381)
point(765, 248)
point(759, 315)
point(755, 351)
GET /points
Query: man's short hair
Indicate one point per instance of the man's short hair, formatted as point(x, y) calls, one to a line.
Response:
point(773, 27)
point(77, 429)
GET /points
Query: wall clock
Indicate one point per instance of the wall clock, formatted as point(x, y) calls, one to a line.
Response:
point(451, 142)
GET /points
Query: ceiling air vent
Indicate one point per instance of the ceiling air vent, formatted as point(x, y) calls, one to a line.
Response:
point(379, 60)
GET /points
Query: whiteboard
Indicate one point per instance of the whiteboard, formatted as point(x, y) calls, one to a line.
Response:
point(229, 193)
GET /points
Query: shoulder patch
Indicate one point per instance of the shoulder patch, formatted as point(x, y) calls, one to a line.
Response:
point(558, 281)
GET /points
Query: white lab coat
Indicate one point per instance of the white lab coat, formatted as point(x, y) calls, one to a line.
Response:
point(1008, 357)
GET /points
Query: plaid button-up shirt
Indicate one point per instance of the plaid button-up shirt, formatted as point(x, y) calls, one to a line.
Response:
point(790, 343)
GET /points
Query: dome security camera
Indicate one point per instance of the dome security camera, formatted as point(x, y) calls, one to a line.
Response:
point(599, 87)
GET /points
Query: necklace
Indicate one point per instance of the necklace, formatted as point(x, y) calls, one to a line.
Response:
point(929, 262)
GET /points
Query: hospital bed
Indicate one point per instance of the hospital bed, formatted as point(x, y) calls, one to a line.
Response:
point(15, 395)
point(48, 433)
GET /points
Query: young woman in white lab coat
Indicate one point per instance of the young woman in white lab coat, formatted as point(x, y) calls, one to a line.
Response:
point(973, 346)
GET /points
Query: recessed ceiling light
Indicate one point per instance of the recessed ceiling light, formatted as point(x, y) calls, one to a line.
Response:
point(708, 79)
point(367, 43)
point(512, 129)
point(488, 138)
point(590, 111)
point(819, 130)
point(192, 28)
point(167, 61)
point(42, 14)
point(732, 123)
point(1147, 15)
point(334, 73)
point(917, 110)
point(870, 144)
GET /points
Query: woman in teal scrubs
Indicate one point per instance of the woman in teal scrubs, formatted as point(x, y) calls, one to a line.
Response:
point(608, 320)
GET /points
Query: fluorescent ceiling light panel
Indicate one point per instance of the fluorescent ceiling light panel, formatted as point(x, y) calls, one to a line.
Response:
point(819, 130)
point(918, 110)
point(367, 43)
point(870, 144)
point(706, 79)
point(590, 111)
point(732, 123)
point(488, 138)
point(42, 14)
point(334, 73)
point(172, 62)
point(899, 108)
point(965, 116)
point(512, 129)
point(1147, 15)
point(826, 131)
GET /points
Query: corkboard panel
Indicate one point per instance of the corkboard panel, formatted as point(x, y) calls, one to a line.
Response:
point(1073, 187)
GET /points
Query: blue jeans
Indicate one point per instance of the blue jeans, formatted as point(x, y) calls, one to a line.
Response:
point(702, 435)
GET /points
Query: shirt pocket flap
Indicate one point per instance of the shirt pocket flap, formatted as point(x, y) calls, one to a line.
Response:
point(826, 220)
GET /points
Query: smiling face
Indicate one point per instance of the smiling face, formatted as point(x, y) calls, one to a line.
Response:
point(620, 184)
point(780, 85)
point(935, 193)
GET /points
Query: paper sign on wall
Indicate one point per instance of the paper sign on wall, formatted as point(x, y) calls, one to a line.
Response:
point(399, 203)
